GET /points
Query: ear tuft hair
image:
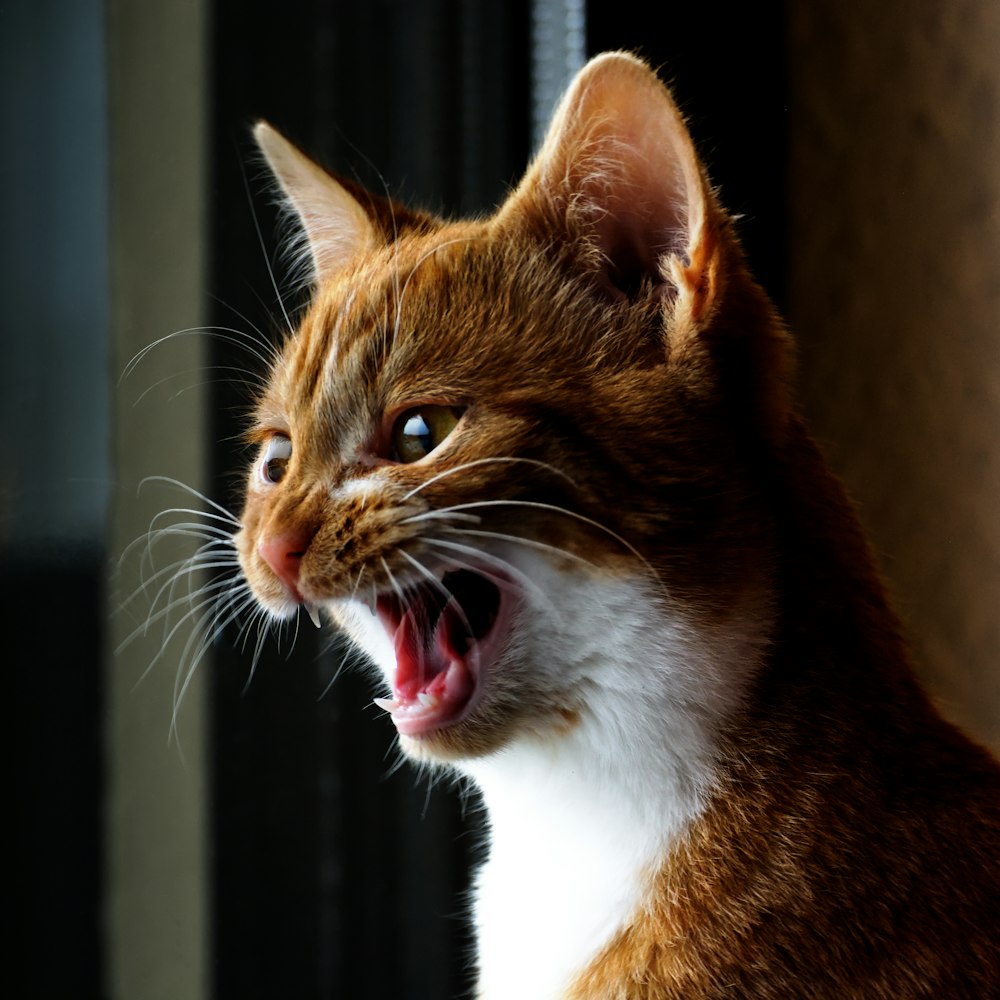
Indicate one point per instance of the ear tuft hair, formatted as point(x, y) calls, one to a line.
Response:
point(619, 170)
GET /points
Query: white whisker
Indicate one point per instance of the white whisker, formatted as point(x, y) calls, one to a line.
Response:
point(258, 336)
point(249, 381)
point(487, 461)
point(181, 567)
point(420, 260)
point(565, 512)
point(229, 335)
point(350, 656)
point(479, 555)
point(444, 514)
point(191, 614)
point(171, 606)
point(527, 542)
point(402, 600)
point(439, 587)
point(263, 251)
point(195, 493)
point(263, 625)
point(209, 633)
point(190, 529)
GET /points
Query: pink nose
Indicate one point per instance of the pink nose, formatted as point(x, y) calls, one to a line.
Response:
point(283, 553)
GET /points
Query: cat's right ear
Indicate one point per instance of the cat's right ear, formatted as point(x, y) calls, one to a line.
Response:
point(336, 226)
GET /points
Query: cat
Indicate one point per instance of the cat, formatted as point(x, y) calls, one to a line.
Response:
point(546, 470)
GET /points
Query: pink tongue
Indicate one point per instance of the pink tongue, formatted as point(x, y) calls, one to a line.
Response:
point(433, 683)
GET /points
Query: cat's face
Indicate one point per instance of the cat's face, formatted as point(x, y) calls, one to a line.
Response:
point(504, 456)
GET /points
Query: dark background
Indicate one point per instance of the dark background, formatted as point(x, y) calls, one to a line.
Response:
point(371, 906)
point(333, 875)
point(859, 144)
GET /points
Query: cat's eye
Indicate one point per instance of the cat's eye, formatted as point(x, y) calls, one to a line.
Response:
point(418, 431)
point(275, 460)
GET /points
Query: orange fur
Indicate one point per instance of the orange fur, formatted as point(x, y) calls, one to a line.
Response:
point(853, 848)
point(625, 388)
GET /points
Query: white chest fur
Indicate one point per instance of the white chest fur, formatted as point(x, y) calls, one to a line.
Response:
point(582, 815)
point(579, 822)
point(566, 870)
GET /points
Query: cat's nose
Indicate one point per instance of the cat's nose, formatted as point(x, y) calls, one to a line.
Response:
point(283, 553)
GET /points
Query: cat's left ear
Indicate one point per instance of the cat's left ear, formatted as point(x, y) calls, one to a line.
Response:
point(336, 226)
point(619, 172)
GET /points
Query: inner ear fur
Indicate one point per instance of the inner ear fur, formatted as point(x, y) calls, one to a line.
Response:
point(618, 171)
point(340, 219)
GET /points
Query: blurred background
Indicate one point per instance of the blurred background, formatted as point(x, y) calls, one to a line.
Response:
point(264, 845)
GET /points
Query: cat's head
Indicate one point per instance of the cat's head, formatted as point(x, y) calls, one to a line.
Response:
point(518, 459)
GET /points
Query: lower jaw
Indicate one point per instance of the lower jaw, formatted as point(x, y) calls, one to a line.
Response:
point(466, 740)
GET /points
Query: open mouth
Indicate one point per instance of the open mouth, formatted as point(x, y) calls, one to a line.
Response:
point(446, 636)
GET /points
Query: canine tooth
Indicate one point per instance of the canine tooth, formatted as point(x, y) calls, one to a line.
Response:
point(313, 612)
point(386, 704)
point(428, 700)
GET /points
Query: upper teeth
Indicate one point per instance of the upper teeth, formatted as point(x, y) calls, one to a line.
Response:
point(313, 612)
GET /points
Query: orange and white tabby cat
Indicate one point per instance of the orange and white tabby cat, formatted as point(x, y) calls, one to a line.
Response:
point(545, 470)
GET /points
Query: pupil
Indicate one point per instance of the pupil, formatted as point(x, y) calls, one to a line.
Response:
point(274, 469)
point(417, 431)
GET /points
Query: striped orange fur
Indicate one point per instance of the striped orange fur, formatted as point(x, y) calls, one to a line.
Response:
point(546, 470)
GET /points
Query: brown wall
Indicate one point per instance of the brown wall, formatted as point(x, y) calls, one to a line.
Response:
point(895, 297)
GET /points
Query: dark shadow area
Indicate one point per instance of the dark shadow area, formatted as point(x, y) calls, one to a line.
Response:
point(51, 622)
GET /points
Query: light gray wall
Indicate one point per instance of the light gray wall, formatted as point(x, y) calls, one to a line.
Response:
point(895, 297)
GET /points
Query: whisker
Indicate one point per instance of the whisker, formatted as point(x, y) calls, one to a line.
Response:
point(210, 634)
point(186, 566)
point(527, 542)
point(209, 535)
point(243, 635)
point(195, 493)
point(263, 626)
point(444, 514)
point(211, 546)
point(295, 633)
point(487, 461)
point(553, 508)
point(350, 656)
point(439, 586)
point(479, 555)
point(191, 529)
point(420, 260)
point(357, 583)
point(392, 581)
point(194, 529)
point(195, 610)
point(263, 247)
point(402, 601)
point(208, 557)
point(172, 605)
point(250, 382)
point(259, 336)
point(229, 335)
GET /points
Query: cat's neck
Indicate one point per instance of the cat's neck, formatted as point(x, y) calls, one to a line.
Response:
point(580, 822)
point(567, 865)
